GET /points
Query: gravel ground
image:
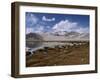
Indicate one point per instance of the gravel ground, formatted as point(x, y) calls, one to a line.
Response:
point(59, 55)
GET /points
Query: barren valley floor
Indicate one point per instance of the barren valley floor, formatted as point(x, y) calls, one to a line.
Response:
point(57, 56)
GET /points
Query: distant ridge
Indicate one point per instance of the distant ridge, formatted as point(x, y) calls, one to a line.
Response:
point(31, 37)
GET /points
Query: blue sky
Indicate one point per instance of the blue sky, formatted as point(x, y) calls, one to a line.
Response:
point(47, 22)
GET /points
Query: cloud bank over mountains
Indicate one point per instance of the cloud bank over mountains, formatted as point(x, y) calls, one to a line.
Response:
point(69, 27)
point(62, 26)
point(35, 24)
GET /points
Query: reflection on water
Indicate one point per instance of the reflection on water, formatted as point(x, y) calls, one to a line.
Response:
point(32, 46)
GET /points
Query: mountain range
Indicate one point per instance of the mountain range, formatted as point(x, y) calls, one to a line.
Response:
point(59, 36)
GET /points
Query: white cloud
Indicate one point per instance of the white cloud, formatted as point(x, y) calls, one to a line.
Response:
point(47, 19)
point(29, 30)
point(66, 25)
point(83, 30)
point(48, 27)
point(31, 20)
point(38, 29)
